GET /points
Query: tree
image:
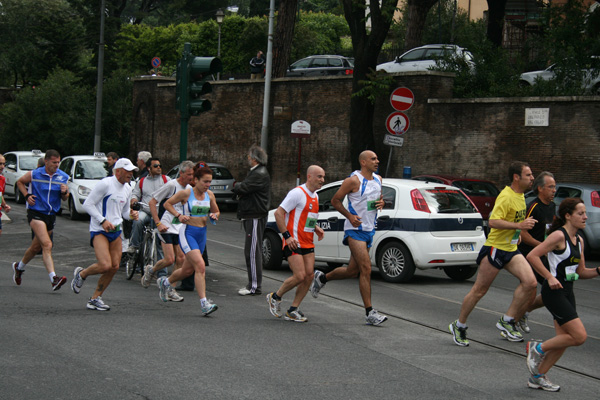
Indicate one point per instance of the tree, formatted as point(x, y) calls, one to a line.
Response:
point(366, 46)
point(417, 11)
point(496, 10)
point(284, 34)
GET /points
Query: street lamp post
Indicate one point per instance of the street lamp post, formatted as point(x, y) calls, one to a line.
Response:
point(220, 15)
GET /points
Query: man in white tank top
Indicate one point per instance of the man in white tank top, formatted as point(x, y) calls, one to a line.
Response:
point(363, 189)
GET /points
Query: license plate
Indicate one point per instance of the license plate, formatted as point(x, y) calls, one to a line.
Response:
point(217, 187)
point(462, 246)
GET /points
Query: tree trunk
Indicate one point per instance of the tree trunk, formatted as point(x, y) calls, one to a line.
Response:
point(366, 47)
point(416, 11)
point(496, 8)
point(283, 35)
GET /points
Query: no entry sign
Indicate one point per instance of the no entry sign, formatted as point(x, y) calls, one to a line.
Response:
point(402, 99)
point(397, 123)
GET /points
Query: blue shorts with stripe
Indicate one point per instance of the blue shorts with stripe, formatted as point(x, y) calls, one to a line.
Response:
point(192, 238)
point(362, 236)
point(111, 236)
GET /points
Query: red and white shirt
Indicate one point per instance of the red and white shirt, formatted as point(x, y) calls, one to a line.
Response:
point(302, 211)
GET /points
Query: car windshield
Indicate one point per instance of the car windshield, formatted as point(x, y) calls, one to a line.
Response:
point(220, 173)
point(28, 163)
point(474, 188)
point(90, 169)
point(447, 201)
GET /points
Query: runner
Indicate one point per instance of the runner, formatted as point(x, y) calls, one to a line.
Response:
point(564, 249)
point(363, 189)
point(199, 205)
point(108, 206)
point(47, 186)
point(168, 228)
point(500, 251)
point(296, 217)
point(3, 206)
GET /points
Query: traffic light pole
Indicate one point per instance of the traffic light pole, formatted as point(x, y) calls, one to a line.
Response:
point(183, 99)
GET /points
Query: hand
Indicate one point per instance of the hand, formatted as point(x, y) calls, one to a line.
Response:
point(107, 226)
point(213, 216)
point(554, 283)
point(379, 204)
point(63, 189)
point(320, 233)
point(134, 215)
point(162, 228)
point(355, 221)
point(6, 208)
point(292, 243)
point(31, 200)
point(183, 218)
point(527, 224)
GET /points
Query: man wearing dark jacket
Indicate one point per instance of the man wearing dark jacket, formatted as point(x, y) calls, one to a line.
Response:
point(254, 195)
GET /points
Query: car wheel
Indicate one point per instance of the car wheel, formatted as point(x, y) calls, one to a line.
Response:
point(395, 263)
point(19, 198)
point(73, 214)
point(461, 272)
point(272, 252)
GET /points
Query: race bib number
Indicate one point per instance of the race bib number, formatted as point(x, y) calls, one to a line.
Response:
point(175, 221)
point(371, 205)
point(311, 222)
point(200, 210)
point(570, 274)
point(116, 229)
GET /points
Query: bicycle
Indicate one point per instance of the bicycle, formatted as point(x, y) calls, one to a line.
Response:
point(147, 252)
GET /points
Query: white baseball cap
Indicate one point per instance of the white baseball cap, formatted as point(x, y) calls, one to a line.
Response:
point(125, 164)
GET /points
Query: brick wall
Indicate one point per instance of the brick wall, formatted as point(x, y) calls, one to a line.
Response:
point(473, 137)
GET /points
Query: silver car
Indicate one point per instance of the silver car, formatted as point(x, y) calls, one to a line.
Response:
point(18, 163)
point(426, 58)
point(590, 76)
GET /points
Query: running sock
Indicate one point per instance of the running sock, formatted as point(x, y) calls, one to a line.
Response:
point(507, 319)
point(52, 275)
point(539, 349)
point(292, 309)
point(537, 376)
point(276, 297)
point(203, 301)
point(460, 324)
point(166, 282)
point(21, 266)
point(368, 310)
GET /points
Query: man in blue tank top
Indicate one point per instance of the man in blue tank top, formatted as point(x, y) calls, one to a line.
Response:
point(43, 189)
point(363, 189)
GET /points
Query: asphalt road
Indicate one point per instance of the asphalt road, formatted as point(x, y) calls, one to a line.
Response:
point(52, 347)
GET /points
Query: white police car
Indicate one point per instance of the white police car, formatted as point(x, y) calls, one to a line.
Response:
point(84, 173)
point(18, 163)
point(423, 225)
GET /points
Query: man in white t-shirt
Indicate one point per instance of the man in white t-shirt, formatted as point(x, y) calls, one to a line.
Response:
point(108, 206)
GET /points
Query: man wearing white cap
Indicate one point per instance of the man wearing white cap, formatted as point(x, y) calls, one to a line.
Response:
point(108, 206)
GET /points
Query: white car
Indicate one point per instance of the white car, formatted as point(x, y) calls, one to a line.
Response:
point(84, 174)
point(18, 163)
point(590, 76)
point(423, 225)
point(424, 58)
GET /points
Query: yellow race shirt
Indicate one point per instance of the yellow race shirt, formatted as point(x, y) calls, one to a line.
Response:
point(511, 207)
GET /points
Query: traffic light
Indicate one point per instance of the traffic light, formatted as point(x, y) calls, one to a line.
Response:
point(192, 82)
point(200, 70)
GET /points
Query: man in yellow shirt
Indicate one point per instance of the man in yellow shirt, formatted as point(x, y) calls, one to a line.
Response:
point(500, 250)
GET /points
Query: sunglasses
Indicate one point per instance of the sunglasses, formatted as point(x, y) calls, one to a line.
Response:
point(157, 166)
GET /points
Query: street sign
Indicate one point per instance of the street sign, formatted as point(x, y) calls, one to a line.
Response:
point(402, 99)
point(392, 140)
point(155, 62)
point(397, 123)
point(300, 129)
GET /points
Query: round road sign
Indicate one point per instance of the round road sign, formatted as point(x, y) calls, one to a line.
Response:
point(155, 62)
point(402, 99)
point(397, 123)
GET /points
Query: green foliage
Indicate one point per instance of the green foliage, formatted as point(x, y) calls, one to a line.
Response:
point(320, 33)
point(38, 36)
point(377, 85)
point(59, 114)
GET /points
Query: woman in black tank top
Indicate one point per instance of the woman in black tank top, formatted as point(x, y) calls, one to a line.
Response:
point(564, 249)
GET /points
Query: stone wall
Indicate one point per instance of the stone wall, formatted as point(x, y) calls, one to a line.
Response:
point(470, 137)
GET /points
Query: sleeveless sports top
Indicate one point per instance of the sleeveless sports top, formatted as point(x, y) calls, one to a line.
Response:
point(302, 221)
point(564, 263)
point(198, 208)
point(362, 202)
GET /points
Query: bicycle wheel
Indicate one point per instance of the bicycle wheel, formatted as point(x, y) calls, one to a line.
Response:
point(139, 264)
point(150, 257)
point(130, 265)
